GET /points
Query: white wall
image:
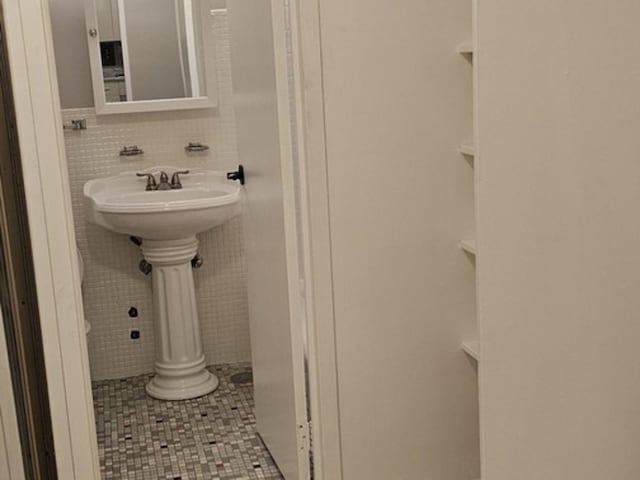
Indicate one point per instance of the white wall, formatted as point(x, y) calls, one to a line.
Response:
point(398, 103)
point(112, 281)
point(154, 55)
point(559, 196)
point(72, 53)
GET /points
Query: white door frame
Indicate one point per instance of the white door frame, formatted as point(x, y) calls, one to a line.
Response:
point(28, 31)
point(35, 90)
point(11, 464)
point(316, 233)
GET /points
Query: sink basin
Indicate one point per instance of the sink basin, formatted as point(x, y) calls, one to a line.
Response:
point(167, 221)
point(121, 204)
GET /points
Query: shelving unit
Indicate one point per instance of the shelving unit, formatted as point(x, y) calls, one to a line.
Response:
point(470, 151)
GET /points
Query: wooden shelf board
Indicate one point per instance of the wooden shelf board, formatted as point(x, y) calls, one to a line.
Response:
point(472, 349)
point(465, 48)
point(467, 149)
point(469, 246)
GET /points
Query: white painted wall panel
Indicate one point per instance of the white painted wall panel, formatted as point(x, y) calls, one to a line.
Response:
point(398, 102)
point(112, 280)
point(559, 195)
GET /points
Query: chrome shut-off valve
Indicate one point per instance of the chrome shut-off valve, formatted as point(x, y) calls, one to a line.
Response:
point(197, 261)
point(145, 267)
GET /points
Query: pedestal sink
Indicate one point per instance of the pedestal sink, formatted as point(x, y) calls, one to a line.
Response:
point(168, 221)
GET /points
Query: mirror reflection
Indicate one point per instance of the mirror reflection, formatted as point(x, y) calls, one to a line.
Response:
point(150, 49)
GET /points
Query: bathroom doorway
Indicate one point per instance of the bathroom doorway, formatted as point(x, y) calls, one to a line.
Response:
point(112, 356)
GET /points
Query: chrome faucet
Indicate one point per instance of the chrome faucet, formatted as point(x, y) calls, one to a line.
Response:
point(163, 184)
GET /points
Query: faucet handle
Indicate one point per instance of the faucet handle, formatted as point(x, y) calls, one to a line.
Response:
point(151, 180)
point(175, 179)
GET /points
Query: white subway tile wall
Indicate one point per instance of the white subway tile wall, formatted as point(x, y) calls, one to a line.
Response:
point(112, 282)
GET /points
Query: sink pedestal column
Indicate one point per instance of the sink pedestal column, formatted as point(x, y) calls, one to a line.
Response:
point(180, 365)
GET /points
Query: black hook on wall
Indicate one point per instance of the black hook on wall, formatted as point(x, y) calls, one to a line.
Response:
point(238, 175)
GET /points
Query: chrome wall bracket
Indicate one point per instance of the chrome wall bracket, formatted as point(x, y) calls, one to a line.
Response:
point(76, 124)
point(131, 151)
point(194, 147)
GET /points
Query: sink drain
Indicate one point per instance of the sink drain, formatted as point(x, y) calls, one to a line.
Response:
point(242, 378)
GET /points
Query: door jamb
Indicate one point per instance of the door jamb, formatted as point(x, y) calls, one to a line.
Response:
point(39, 121)
point(291, 229)
point(316, 233)
point(36, 97)
point(10, 450)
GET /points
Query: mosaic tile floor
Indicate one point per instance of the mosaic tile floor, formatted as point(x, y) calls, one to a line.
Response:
point(213, 437)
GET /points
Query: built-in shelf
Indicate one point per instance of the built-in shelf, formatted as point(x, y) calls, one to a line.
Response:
point(472, 349)
point(468, 246)
point(467, 149)
point(465, 48)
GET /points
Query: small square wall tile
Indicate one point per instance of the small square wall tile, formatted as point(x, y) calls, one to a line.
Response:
point(112, 282)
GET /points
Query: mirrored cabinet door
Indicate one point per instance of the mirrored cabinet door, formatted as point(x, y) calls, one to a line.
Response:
point(149, 55)
point(108, 21)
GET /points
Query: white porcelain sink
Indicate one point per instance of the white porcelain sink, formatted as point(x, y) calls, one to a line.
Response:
point(168, 221)
point(121, 204)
